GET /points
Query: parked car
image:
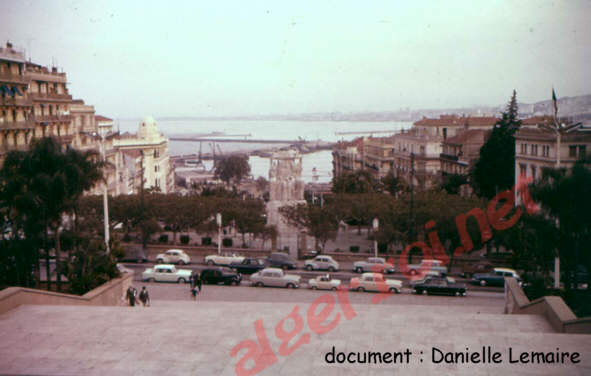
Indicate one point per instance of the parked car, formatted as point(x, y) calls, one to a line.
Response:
point(248, 265)
point(274, 277)
point(166, 273)
point(375, 282)
point(224, 259)
point(173, 256)
point(426, 265)
point(480, 267)
point(428, 274)
point(440, 286)
point(280, 260)
point(322, 262)
point(496, 277)
point(133, 254)
point(373, 264)
point(324, 282)
point(217, 275)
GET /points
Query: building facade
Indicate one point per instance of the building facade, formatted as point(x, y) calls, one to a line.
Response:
point(152, 148)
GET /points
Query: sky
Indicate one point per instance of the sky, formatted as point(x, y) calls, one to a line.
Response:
point(224, 58)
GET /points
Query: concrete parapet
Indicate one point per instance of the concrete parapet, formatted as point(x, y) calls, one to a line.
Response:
point(108, 294)
point(553, 308)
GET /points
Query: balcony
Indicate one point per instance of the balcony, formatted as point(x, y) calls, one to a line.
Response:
point(52, 118)
point(15, 101)
point(47, 76)
point(53, 97)
point(449, 157)
point(16, 125)
point(14, 78)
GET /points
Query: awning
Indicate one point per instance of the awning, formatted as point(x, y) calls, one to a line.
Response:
point(17, 91)
point(5, 90)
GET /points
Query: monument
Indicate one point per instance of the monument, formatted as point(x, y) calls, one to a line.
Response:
point(286, 188)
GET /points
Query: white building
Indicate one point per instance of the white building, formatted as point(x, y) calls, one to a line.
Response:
point(153, 151)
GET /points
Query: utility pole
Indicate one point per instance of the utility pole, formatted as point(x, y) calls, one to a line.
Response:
point(105, 199)
point(412, 213)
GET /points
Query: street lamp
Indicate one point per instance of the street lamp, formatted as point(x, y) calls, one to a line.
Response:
point(376, 225)
point(105, 196)
point(218, 220)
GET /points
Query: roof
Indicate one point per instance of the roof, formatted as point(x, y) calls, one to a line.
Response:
point(357, 142)
point(102, 118)
point(454, 120)
point(535, 120)
point(468, 135)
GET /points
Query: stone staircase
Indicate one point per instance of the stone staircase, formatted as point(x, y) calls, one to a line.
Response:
point(196, 338)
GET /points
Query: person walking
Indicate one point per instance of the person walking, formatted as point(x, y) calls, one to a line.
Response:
point(198, 282)
point(131, 294)
point(145, 297)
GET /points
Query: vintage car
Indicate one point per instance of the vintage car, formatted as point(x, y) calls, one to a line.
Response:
point(248, 265)
point(440, 286)
point(280, 260)
point(373, 264)
point(495, 278)
point(428, 274)
point(173, 256)
point(166, 273)
point(322, 262)
point(223, 259)
point(274, 277)
point(426, 265)
point(375, 282)
point(216, 275)
point(480, 267)
point(324, 282)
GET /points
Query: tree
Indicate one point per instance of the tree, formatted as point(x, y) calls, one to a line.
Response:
point(392, 184)
point(359, 181)
point(494, 171)
point(451, 183)
point(232, 168)
point(319, 222)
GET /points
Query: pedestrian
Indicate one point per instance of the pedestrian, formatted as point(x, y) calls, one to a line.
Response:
point(145, 297)
point(198, 282)
point(131, 294)
point(194, 292)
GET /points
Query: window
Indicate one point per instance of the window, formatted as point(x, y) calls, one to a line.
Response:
point(156, 168)
point(582, 151)
point(546, 150)
point(523, 148)
point(522, 169)
point(534, 150)
point(572, 151)
point(533, 172)
point(156, 153)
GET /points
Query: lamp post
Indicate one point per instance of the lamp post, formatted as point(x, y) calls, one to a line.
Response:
point(105, 196)
point(376, 225)
point(218, 220)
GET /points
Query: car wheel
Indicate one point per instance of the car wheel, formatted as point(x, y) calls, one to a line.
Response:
point(458, 293)
point(151, 279)
point(394, 290)
point(181, 280)
point(210, 262)
point(258, 284)
point(483, 283)
point(285, 267)
point(359, 270)
point(314, 288)
point(413, 272)
point(331, 269)
point(182, 262)
point(159, 261)
point(309, 268)
point(290, 286)
point(360, 289)
point(334, 288)
point(425, 292)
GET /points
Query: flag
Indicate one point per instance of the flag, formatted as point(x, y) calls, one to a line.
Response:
point(554, 102)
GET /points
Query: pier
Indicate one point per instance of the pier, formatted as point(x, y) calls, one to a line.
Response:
point(233, 140)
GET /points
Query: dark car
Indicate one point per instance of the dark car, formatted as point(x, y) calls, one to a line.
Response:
point(280, 260)
point(480, 267)
point(440, 286)
point(496, 277)
point(248, 265)
point(217, 275)
point(134, 254)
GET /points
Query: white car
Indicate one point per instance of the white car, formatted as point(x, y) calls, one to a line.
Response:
point(166, 273)
point(324, 282)
point(375, 282)
point(274, 277)
point(322, 262)
point(225, 259)
point(173, 256)
point(373, 264)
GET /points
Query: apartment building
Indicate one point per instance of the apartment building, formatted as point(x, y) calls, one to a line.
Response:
point(347, 156)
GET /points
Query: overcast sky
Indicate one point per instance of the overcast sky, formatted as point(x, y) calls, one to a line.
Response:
point(218, 58)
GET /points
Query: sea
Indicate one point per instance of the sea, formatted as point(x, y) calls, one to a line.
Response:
point(316, 166)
